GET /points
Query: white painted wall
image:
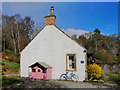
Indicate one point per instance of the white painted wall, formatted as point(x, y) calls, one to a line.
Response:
point(51, 46)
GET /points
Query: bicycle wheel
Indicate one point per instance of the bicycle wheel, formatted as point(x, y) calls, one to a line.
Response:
point(63, 77)
point(75, 78)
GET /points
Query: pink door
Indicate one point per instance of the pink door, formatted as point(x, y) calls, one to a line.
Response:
point(39, 74)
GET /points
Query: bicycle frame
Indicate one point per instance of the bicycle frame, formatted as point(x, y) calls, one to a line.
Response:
point(66, 75)
point(69, 77)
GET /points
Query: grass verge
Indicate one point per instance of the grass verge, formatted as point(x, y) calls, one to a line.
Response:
point(8, 81)
point(114, 77)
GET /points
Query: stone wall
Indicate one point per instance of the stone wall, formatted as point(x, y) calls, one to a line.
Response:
point(111, 68)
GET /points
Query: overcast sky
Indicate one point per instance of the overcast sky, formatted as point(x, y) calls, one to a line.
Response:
point(70, 15)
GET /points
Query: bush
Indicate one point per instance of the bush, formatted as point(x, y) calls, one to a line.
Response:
point(3, 54)
point(104, 56)
point(11, 57)
point(94, 71)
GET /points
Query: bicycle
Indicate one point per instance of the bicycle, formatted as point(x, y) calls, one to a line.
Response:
point(72, 76)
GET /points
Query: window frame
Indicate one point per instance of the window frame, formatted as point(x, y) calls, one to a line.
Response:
point(67, 69)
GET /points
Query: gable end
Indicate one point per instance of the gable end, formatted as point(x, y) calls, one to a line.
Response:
point(58, 29)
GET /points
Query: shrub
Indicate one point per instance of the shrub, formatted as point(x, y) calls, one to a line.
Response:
point(94, 71)
point(104, 56)
point(11, 57)
point(3, 54)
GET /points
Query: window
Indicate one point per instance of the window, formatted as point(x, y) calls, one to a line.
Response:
point(33, 70)
point(44, 70)
point(71, 62)
point(38, 70)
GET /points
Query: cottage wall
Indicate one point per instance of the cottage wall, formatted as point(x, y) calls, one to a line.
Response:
point(38, 50)
point(51, 46)
point(61, 46)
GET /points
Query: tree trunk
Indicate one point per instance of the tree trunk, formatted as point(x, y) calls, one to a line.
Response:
point(4, 44)
point(14, 44)
point(13, 38)
point(18, 39)
point(96, 47)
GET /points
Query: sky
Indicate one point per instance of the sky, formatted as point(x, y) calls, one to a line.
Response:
point(70, 15)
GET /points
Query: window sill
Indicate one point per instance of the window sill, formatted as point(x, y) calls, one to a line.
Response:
point(70, 70)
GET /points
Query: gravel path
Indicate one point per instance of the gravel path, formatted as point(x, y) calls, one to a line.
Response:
point(70, 84)
point(58, 84)
point(36, 84)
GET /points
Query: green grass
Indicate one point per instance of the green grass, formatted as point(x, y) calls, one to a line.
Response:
point(12, 66)
point(115, 78)
point(8, 81)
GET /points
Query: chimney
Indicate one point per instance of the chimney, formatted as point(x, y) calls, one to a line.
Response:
point(52, 10)
point(50, 19)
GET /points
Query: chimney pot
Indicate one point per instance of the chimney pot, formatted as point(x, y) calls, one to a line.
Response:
point(52, 10)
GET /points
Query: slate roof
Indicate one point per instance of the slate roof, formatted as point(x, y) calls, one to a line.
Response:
point(44, 64)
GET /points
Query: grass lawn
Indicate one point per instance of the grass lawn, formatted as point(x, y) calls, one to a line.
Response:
point(8, 81)
point(10, 67)
point(115, 78)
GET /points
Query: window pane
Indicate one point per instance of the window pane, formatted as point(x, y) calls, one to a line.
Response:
point(71, 63)
point(38, 70)
point(33, 70)
point(44, 70)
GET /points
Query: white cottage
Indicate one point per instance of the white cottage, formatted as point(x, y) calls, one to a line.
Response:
point(52, 46)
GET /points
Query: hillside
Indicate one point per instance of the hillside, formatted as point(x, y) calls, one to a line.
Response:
point(9, 67)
